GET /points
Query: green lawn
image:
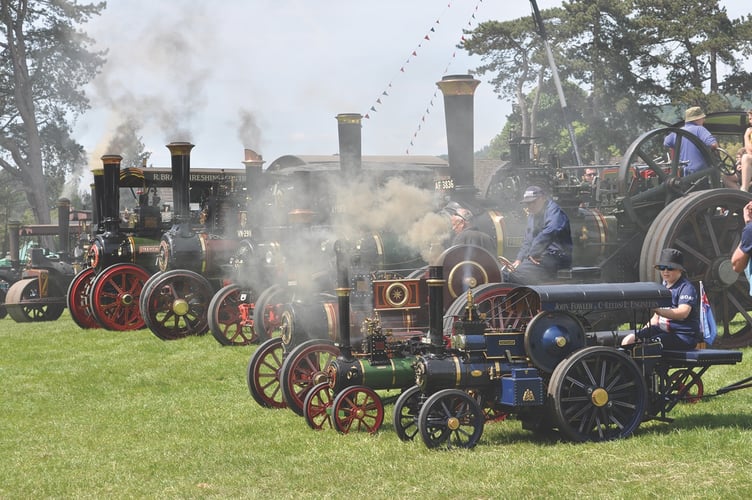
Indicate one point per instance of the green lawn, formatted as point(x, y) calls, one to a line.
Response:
point(98, 414)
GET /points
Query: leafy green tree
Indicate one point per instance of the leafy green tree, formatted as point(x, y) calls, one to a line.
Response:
point(44, 65)
point(621, 62)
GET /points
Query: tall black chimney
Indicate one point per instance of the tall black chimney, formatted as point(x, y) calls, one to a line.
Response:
point(458, 93)
point(343, 300)
point(63, 224)
point(350, 157)
point(436, 284)
point(181, 171)
point(110, 214)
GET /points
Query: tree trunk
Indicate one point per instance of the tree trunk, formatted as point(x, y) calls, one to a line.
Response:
point(34, 182)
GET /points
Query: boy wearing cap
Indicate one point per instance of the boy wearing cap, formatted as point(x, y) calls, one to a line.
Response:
point(678, 326)
point(547, 246)
point(689, 154)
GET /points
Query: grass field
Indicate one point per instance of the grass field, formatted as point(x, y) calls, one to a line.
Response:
point(101, 414)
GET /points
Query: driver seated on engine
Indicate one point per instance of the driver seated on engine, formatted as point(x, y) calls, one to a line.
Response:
point(678, 326)
point(547, 246)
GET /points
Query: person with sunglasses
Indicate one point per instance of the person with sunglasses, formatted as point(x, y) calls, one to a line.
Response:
point(740, 259)
point(678, 326)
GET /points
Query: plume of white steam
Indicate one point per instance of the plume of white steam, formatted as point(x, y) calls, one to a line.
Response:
point(160, 81)
point(396, 206)
point(249, 131)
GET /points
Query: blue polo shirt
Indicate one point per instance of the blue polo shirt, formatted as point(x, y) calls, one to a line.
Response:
point(684, 292)
point(689, 152)
point(746, 245)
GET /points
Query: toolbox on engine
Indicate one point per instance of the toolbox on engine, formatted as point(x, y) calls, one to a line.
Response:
point(523, 387)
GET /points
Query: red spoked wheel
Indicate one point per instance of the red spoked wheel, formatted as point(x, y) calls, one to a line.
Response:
point(267, 315)
point(177, 304)
point(262, 374)
point(688, 382)
point(225, 321)
point(304, 367)
point(357, 408)
point(317, 406)
point(114, 296)
point(78, 299)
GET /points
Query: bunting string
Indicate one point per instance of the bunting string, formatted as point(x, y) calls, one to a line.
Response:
point(378, 103)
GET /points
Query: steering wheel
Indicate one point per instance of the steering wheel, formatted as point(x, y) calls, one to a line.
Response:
point(726, 162)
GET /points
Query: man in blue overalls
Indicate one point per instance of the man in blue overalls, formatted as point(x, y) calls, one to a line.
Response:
point(547, 246)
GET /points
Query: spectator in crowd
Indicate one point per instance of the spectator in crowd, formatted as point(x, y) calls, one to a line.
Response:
point(740, 259)
point(746, 159)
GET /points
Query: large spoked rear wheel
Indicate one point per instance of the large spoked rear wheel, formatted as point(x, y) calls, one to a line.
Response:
point(451, 418)
point(304, 367)
point(267, 316)
point(706, 227)
point(225, 319)
point(597, 394)
point(650, 178)
point(114, 296)
point(262, 374)
point(78, 299)
point(489, 299)
point(177, 304)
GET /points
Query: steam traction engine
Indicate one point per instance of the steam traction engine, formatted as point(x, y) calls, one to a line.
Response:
point(174, 301)
point(36, 289)
point(106, 293)
point(622, 222)
point(535, 355)
point(345, 396)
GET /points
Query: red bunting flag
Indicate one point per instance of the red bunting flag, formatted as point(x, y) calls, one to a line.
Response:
point(414, 53)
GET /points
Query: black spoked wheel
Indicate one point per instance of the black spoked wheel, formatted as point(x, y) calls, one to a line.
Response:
point(262, 374)
point(451, 418)
point(177, 304)
point(649, 179)
point(405, 413)
point(597, 394)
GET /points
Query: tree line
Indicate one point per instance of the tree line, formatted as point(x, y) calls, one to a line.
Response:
point(626, 66)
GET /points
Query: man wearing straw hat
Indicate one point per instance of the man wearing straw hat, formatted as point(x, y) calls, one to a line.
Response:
point(689, 155)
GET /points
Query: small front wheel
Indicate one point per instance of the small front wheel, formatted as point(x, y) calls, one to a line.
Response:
point(357, 408)
point(451, 418)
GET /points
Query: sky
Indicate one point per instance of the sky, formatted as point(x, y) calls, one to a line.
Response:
point(271, 75)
